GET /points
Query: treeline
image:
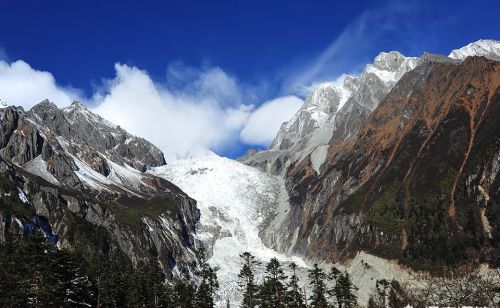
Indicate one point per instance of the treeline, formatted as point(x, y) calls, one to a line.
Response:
point(278, 290)
point(458, 288)
point(34, 272)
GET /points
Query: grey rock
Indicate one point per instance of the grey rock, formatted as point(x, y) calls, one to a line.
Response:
point(75, 166)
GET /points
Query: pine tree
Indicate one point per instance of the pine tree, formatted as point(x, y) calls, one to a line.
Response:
point(155, 279)
point(209, 283)
point(71, 285)
point(98, 264)
point(272, 291)
point(393, 299)
point(14, 283)
point(371, 303)
point(116, 281)
point(185, 293)
point(317, 280)
point(333, 276)
point(294, 298)
point(382, 288)
point(344, 292)
point(167, 296)
point(37, 255)
point(396, 295)
point(246, 277)
point(139, 291)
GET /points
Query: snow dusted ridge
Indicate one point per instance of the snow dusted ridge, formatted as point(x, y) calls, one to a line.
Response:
point(235, 201)
point(328, 107)
point(486, 48)
point(313, 123)
point(335, 105)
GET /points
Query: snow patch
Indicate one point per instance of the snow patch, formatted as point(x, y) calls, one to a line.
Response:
point(318, 157)
point(22, 196)
point(38, 167)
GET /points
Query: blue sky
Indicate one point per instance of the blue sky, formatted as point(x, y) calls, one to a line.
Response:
point(226, 57)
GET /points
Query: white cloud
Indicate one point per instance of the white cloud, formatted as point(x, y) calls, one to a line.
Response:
point(194, 111)
point(265, 121)
point(21, 85)
point(184, 122)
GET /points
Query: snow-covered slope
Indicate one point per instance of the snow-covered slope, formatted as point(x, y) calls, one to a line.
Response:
point(486, 48)
point(235, 202)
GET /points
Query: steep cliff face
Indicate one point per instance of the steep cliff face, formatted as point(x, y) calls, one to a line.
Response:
point(83, 181)
point(331, 108)
point(418, 182)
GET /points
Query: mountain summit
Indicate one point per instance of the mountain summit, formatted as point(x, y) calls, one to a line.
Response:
point(485, 48)
point(77, 170)
point(400, 162)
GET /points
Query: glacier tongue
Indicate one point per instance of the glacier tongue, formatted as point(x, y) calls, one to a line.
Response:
point(235, 201)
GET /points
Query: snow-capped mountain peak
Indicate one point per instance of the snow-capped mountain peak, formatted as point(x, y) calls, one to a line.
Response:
point(328, 106)
point(486, 48)
point(390, 66)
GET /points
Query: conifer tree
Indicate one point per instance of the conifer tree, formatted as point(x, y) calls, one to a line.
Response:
point(71, 285)
point(98, 263)
point(393, 300)
point(371, 302)
point(247, 280)
point(319, 291)
point(185, 293)
point(272, 291)
point(117, 279)
point(333, 276)
point(167, 296)
point(14, 283)
point(344, 292)
point(37, 255)
point(139, 287)
point(155, 279)
point(294, 298)
point(208, 285)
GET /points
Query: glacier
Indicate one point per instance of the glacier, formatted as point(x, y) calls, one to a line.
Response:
point(236, 201)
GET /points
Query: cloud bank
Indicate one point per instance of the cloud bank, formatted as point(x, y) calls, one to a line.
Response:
point(187, 122)
point(21, 85)
point(264, 122)
point(194, 111)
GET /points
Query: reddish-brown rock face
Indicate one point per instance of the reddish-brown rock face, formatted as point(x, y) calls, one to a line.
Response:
point(419, 181)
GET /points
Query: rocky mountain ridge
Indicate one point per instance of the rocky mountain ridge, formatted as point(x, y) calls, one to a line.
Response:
point(331, 107)
point(85, 178)
point(337, 109)
point(485, 48)
point(366, 195)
